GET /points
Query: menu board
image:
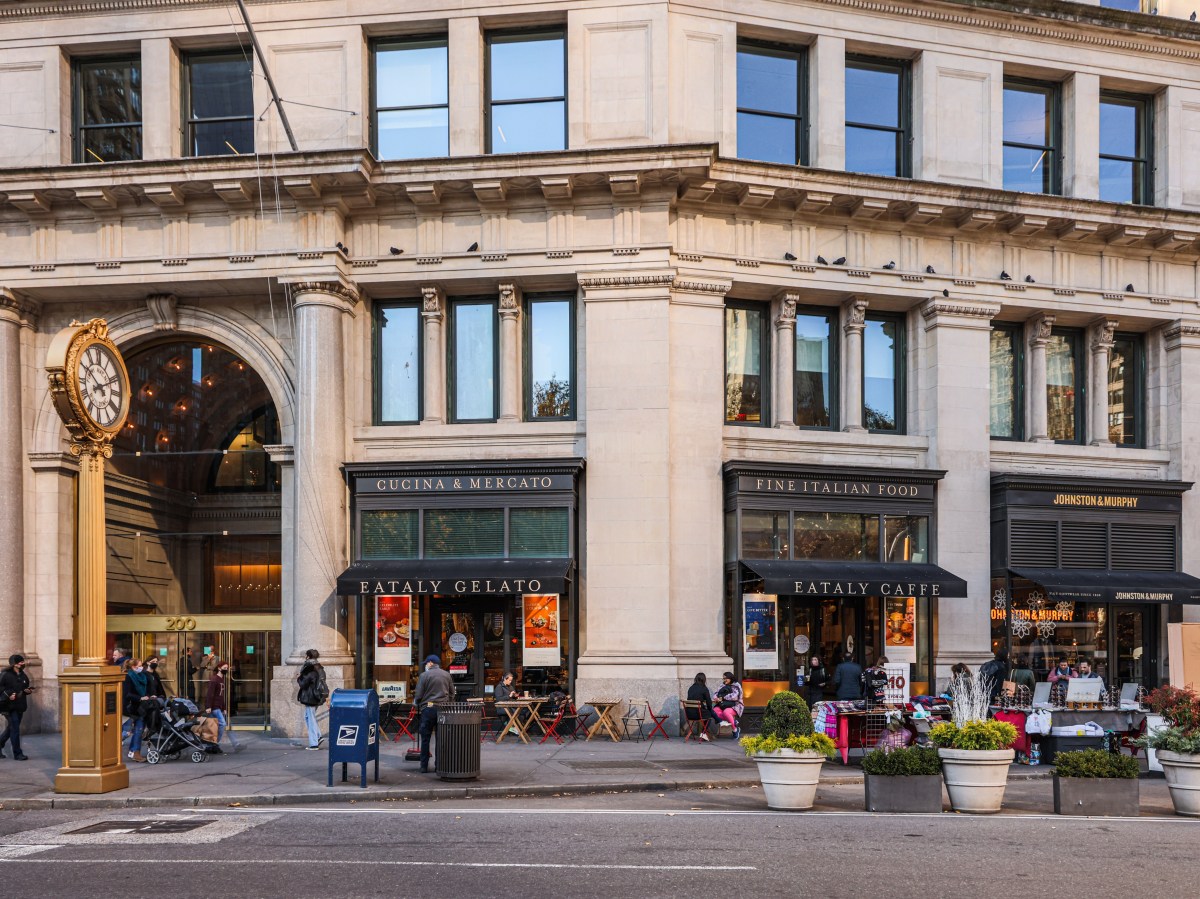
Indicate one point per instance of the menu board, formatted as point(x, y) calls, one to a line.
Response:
point(541, 645)
point(900, 631)
point(393, 630)
point(760, 632)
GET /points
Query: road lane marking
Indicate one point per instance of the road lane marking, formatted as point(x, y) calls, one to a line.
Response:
point(9, 852)
point(225, 862)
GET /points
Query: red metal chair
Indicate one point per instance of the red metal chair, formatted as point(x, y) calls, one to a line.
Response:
point(1129, 739)
point(550, 725)
point(404, 725)
point(578, 721)
point(658, 723)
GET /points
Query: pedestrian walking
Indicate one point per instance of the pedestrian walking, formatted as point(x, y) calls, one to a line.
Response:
point(433, 686)
point(135, 692)
point(996, 673)
point(217, 703)
point(847, 679)
point(313, 694)
point(14, 703)
point(817, 678)
point(157, 688)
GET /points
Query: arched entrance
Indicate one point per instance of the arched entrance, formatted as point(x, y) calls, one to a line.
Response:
point(193, 523)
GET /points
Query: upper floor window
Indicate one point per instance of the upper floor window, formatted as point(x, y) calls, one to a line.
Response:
point(108, 109)
point(397, 363)
point(1129, 5)
point(473, 360)
point(1031, 137)
point(1064, 386)
point(878, 117)
point(549, 358)
point(526, 92)
point(219, 104)
point(1006, 363)
point(745, 363)
point(1126, 391)
point(816, 369)
point(1126, 139)
point(410, 85)
point(770, 104)
point(883, 373)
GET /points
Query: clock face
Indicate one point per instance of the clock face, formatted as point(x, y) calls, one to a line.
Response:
point(101, 387)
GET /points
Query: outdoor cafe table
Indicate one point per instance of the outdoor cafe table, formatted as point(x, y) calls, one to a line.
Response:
point(513, 708)
point(605, 709)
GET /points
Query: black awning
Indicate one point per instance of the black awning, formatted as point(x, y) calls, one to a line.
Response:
point(813, 578)
point(1097, 585)
point(480, 577)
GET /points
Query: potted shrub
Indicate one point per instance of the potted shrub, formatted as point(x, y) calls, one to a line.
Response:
point(908, 779)
point(975, 751)
point(1178, 745)
point(789, 755)
point(1095, 783)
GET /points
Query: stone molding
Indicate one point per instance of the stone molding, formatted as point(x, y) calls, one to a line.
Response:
point(856, 314)
point(510, 300)
point(63, 463)
point(938, 306)
point(1042, 326)
point(18, 309)
point(324, 293)
point(164, 308)
point(788, 299)
point(1182, 329)
point(281, 453)
point(624, 282)
point(697, 285)
point(433, 301)
point(1103, 334)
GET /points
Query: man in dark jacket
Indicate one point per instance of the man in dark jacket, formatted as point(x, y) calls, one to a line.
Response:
point(433, 686)
point(996, 672)
point(847, 679)
point(14, 692)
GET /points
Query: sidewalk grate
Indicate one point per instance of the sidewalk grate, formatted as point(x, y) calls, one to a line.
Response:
point(706, 764)
point(668, 764)
point(143, 827)
point(626, 765)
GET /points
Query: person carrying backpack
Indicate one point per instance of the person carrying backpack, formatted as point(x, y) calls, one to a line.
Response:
point(313, 694)
point(996, 673)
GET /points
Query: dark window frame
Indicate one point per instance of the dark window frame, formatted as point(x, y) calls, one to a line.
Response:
point(1139, 387)
point(900, 389)
point(78, 128)
point(377, 362)
point(530, 301)
point(1081, 389)
point(515, 36)
point(801, 118)
point(1144, 193)
point(452, 357)
point(189, 121)
point(1053, 151)
point(1017, 330)
point(833, 317)
point(765, 392)
point(397, 42)
point(904, 130)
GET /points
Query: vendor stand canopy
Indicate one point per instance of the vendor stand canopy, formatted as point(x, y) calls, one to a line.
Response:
point(1101, 585)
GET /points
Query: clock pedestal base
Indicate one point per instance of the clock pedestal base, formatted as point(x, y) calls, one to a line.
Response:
point(91, 720)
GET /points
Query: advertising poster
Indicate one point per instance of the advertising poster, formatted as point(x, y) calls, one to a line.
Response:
point(393, 632)
point(541, 647)
point(760, 632)
point(896, 692)
point(900, 628)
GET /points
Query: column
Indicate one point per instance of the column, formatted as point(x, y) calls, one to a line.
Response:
point(854, 318)
point(1179, 434)
point(1081, 136)
point(827, 102)
point(1036, 389)
point(466, 59)
point(433, 304)
point(785, 360)
point(1101, 333)
point(510, 352)
point(12, 488)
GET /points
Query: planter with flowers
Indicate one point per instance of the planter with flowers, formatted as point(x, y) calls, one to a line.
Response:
point(976, 751)
point(1178, 745)
point(789, 755)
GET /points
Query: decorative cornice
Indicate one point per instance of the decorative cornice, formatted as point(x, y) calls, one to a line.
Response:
point(620, 282)
point(1181, 329)
point(697, 285)
point(163, 307)
point(281, 453)
point(18, 309)
point(306, 293)
point(938, 306)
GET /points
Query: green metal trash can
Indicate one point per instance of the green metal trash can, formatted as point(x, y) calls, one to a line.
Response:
point(458, 739)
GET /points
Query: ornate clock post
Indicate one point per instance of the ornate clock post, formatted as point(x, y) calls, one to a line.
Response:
point(90, 389)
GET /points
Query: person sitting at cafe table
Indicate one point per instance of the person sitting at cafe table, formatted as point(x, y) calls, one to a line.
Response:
point(698, 692)
point(507, 688)
point(729, 705)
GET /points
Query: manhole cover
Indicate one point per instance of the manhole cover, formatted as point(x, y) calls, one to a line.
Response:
point(144, 826)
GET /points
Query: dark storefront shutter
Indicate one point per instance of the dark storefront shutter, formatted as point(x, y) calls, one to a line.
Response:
point(538, 533)
point(1084, 544)
point(389, 535)
point(1033, 543)
point(464, 533)
point(1143, 547)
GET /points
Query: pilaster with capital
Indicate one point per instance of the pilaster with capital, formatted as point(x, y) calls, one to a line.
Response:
point(1102, 334)
point(510, 352)
point(433, 303)
point(13, 313)
point(1178, 428)
point(854, 323)
point(1039, 338)
point(785, 359)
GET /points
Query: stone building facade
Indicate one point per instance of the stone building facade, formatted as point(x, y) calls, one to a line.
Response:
point(937, 252)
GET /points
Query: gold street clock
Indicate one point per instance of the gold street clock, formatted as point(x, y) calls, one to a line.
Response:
point(88, 381)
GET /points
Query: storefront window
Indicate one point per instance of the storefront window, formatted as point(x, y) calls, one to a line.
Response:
point(815, 365)
point(388, 534)
point(1064, 378)
point(538, 533)
point(837, 535)
point(473, 397)
point(906, 538)
point(1125, 378)
point(883, 354)
point(764, 535)
point(246, 574)
point(745, 330)
point(550, 342)
point(1005, 357)
point(464, 533)
point(1043, 630)
point(398, 364)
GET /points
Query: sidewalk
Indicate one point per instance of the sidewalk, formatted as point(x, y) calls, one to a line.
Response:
point(271, 771)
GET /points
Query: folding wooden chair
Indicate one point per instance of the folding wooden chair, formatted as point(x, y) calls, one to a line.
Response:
point(634, 718)
point(658, 723)
point(693, 726)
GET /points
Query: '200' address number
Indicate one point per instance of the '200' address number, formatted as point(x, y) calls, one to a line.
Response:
point(181, 624)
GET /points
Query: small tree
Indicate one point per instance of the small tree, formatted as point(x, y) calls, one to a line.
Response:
point(786, 715)
point(552, 398)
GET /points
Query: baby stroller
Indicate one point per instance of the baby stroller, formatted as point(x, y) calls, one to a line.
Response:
point(172, 732)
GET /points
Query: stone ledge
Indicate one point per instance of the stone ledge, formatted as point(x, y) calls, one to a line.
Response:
point(1105, 461)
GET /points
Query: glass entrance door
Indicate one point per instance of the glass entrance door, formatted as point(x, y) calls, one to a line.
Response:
point(472, 643)
point(828, 629)
point(1132, 662)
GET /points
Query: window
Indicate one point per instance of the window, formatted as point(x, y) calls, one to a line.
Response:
point(745, 365)
point(905, 538)
point(398, 363)
point(837, 535)
point(411, 106)
point(1126, 386)
point(1007, 365)
point(464, 533)
point(473, 374)
point(527, 94)
point(539, 533)
point(877, 117)
point(1064, 386)
point(883, 381)
point(219, 104)
point(764, 534)
point(108, 110)
point(1126, 170)
point(1031, 137)
point(816, 369)
point(1128, 5)
point(388, 534)
point(549, 358)
point(771, 109)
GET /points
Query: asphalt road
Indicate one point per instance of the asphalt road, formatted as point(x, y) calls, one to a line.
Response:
point(623, 845)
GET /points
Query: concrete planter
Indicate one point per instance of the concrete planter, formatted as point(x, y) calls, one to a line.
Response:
point(789, 778)
point(919, 793)
point(975, 778)
point(1097, 797)
point(1183, 780)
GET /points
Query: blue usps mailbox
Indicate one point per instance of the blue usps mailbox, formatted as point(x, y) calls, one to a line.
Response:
point(353, 731)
